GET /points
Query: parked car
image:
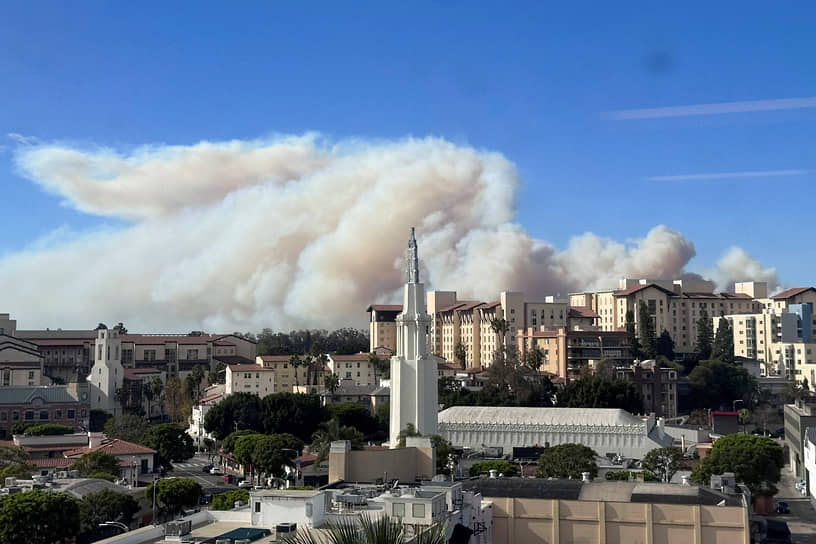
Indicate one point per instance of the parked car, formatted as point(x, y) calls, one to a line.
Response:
point(216, 471)
point(782, 508)
point(245, 484)
point(779, 433)
point(207, 468)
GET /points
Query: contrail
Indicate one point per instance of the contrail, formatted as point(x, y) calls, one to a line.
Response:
point(728, 175)
point(713, 109)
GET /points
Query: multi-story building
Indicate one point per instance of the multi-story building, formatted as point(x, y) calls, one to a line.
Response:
point(251, 378)
point(798, 417)
point(357, 368)
point(21, 362)
point(212, 396)
point(657, 386)
point(382, 326)
point(288, 378)
point(67, 405)
point(566, 351)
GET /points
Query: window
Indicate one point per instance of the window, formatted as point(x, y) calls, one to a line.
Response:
point(29, 415)
point(348, 375)
point(257, 507)
point(399, 509)
point(15, 416)
point(418, 510)
point(43, 414)
point(3, 416)
point(30, 374)
point(58, 414)
point(71, 414)
point(150, 355)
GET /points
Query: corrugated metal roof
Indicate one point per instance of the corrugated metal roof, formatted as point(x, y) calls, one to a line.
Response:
point(512, 415)
point(26, 394)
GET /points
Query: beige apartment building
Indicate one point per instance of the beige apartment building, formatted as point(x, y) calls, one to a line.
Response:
point(566, 351)
point(289, 378)
point(356, 368)
point(382, 326)
point(571, 511)
point(674, 306)
point(250, 379)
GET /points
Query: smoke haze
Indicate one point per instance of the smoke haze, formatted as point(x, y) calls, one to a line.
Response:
point(298, 231)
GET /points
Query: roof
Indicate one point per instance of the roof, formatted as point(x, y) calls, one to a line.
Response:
point(160, 339)
point(56, 335)
point(233, 359)
point(249, 368)
point(27, 394)
point(52, 462)
point(362, 356)
point(582, 311)
point(358, 390)
point(810, 435)
point(135, 374)
point(636, 288)
point(209, 398)
point(86, 486)
point(113, 446)
point(385, 308)
point(792, 292)
point(513, 415)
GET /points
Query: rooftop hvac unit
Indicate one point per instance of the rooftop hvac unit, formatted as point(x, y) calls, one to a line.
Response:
point(178, 528)
point(285, 530)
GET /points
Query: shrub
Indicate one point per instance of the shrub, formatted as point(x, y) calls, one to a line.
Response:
point(504, 467)
point(47, 429)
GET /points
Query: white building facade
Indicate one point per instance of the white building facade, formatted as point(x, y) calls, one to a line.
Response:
point(107, 373)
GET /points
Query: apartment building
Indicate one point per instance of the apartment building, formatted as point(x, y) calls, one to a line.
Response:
point(251, 378)
point(566, 351)
point(356, 368)
point(674, 305)
point(657, 386)
point(21, 363)
point(289, 378)
point(382, 326)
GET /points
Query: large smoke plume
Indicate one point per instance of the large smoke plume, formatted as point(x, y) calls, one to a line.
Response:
point(291, 232)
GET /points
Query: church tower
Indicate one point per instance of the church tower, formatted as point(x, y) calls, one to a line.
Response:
point(413, 370)
point(107, 374)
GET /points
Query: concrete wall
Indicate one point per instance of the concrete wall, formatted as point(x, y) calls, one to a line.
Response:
point(554, 521)
point(406, 464)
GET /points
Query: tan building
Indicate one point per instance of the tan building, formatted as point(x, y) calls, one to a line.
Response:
point(357, 368)
point(567, 351)
point(304, 378)
point(571, 511)
point(382, 326)
point(657, 386)
point(21, 363)
point(250, 379)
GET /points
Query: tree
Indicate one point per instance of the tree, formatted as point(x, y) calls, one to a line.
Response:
point(723, 348)
point(227, 500)
point(128, 427)
point(97, 419)
point(663, 462)
point(295, 362)
point(647, 331)
point(631, 335)
point(95, 462)
point(369, 530)
point(101, 327)
point(38, 517)
point(21, 471)
point(408, 432)
point(665, 345)
point(48, 429)
point(443, 450)
point(592, 391)
point(382, 367)
point(171, 442)
point(354, 414)
point(567, 461)
point(174, 493)
point(228, 445)
point(460, 355)
point(121, 328)
point(331, 382)
point(177, 404)
point(715, 384)
point(533, 359)
point(215, 375)
point(235, 412)
point(484, 467)
point(705, 336)
point(154, 391)
point(501, 327)
point(332, 431)
point(105, 505)
point(299, 415)
point(755, 461)
point(272, 452)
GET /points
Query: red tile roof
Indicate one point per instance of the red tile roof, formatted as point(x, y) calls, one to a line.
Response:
point(52, 462)
point(451, 307)
point(113, 446)
point(209, 398)
point(136, 374)
point(355, 357)
point(161, 339)
point(249, 368)
point(582, 311)
point(276, 358)
point(788, 293)
point(637, 288)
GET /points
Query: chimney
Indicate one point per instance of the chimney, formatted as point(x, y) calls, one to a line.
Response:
point(95, 439)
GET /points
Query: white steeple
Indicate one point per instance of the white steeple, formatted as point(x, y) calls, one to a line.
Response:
point(413, 370)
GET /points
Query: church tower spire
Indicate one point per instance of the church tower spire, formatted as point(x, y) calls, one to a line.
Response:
point(413, 370)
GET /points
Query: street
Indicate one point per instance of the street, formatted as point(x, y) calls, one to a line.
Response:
point(192, 468)
point(802, 518)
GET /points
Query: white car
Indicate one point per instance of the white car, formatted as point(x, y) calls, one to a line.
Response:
point(216, 471)
point(245, 484)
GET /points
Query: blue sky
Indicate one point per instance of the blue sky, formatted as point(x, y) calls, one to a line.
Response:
point(531, 81)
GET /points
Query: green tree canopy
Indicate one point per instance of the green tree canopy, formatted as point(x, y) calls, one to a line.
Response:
point(171, 442)
point(665, 345)
point(567, 461)
point(755, 461)
point(591, 391)
point(484, 467)
point(228, 445)
point(175, 493)
point(723, 347)
point(460, 355)
point(631, 335)
point(296, 414)
point(226, 500)
point(663, 463)
point(331, 431)
point(38, 517)
point(716, 383)
point(271, 452)
point(106, 505)
point(236, 412)
point(705, 336)
point(95, 462)
point(354, 414)
point(648, 339)
point(97, 419)
point(130, 428)
point(47, 429)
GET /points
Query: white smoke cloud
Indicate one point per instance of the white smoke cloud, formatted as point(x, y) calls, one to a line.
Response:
point(736, 265)
point(294, 231)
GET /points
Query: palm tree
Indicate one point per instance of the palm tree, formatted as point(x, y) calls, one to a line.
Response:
point(500, 326)
point(331, 382)
point(384, 530)
point(332, 431)
point(378, 365)
point(156, 390)
point(296, 363)
point(316, 363)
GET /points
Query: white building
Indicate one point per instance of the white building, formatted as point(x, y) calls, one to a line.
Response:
point(605, 430)
point(810, 461)
point(250, 379)
point(213, 396)
point(107, 373)
point(306, 508)
point(413, 369)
